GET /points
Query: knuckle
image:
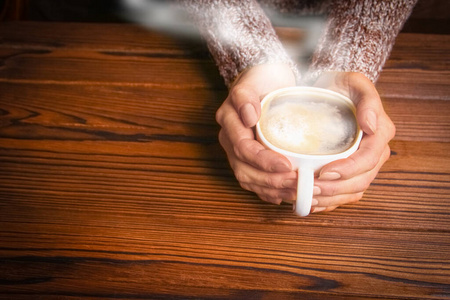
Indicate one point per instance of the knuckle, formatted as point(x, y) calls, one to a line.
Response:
point(387, 153)
point(272, 181)
point(392, 129)
point(238, 149)
point(357, 197)
point(363, 186)
point(354, 198)
point(269, 199)
point(241, 176)
point(271, 196)
point(220, 115)
point(333, 190)
point(246, 186)
point(238, 93)
point(357, 77)
point(372, 161)
point(244, 148)
point(325, 201)
point(221, 137)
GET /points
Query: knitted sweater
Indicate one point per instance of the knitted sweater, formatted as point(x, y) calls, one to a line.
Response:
point(357, 37)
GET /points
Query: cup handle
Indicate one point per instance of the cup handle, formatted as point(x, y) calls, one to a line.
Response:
point(305, 186)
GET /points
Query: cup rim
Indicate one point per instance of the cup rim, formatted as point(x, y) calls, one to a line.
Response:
point(302, 90)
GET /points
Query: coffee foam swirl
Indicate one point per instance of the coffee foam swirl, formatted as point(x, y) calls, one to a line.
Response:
point(313, 126)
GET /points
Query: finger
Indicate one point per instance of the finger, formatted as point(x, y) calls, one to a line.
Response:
point(367, 157)
point(248, 174)
point(270, 187)
point(356, 184)
point(276, 196)
point(252, 84)
point(318, 209)
point(247, 103)
point(367, 100)
point(338, 200)
point(242, 142)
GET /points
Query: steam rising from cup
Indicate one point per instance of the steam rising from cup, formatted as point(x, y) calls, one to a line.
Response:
point(170, 17)
point(159, 15)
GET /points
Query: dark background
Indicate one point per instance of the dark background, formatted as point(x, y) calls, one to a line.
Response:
point(429, 16)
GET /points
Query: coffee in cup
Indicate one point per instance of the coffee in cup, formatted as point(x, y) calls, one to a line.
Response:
point(309, 124)
point(311, 127)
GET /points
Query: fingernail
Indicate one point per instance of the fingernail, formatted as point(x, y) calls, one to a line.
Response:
point(314, 202)
point(372, 121)
point(330, 176)
point(248, 115)
point(281, 167)
point(316, 191)
point(290, 183)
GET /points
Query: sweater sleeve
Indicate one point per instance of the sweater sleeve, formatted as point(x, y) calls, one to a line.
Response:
point(359, 36)
point(238, 35)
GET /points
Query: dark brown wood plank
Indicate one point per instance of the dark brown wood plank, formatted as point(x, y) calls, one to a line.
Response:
point(124, 113)
point(100, 68)
point(192, 180)
point(416, 121)
point(90, 112)
point(113, 184)
point(98, 54)
point(138, 136)
point(418, 67)
point(97, 37)
point(423, 51)
point(174, 257)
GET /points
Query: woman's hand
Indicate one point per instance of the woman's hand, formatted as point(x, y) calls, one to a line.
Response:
point(257, 169)
point(345, 181)
point(270, 174)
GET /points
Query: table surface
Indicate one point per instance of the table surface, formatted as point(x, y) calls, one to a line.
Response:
point(113, 184)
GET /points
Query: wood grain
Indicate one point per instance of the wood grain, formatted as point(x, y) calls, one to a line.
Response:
point(418, 68)
point(113, 183)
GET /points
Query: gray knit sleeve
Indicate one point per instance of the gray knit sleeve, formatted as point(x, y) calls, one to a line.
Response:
point(359, 36)
point(239, 35)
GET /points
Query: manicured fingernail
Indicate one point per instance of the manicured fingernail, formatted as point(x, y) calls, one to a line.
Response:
point(314, 202)
point(248, 115)
point(330, 176)
point(316, 191)
point(372, 121)
point(281, 167)
point(290, 183)
point(318, 209)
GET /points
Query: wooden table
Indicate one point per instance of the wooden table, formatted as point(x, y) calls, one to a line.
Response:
point(113, 184)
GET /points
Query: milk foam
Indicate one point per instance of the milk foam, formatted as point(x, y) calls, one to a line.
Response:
point(310, 127)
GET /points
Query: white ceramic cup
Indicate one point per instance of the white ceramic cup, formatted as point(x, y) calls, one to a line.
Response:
point(308, 164)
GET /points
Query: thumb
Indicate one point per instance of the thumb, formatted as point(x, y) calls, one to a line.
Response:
point(254, 83)
point(367, 100)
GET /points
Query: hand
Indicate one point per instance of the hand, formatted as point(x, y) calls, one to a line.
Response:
point(345, 181)
point(257, 169)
